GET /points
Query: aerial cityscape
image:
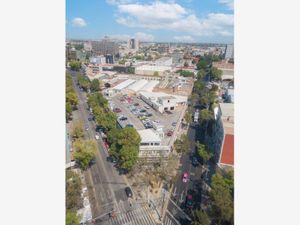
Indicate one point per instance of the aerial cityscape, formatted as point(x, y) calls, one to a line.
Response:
point(149, 112)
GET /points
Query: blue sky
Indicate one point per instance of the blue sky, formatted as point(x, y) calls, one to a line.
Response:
point(163, 20)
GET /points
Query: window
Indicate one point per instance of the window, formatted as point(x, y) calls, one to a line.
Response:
point(172, 108)
point(156, 143)
point(144, 144)
point(168, 100)
point(166, 108)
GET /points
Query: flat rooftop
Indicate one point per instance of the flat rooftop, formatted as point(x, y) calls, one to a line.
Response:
point(148, 135)
point(227, 153)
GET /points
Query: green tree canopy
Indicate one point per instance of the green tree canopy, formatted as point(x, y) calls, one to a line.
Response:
point(182, 145)
point(206, 115)
point(200, 217)
point(77, 130)
point(222, 200)
point(83, 81)
point(131, 70)
point(128, 156)
point(72, 218)
point(216, 74)
point(85, 151)
point(186, 73)
point(72, 98)
point(208, 98)
point(202, 64)
point(203, 152)
point(129, 136)
point(201, 74)
point(75, 65)
point(95, 85)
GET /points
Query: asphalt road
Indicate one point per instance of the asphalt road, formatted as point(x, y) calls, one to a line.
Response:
point(177, 206)
point(106, 185)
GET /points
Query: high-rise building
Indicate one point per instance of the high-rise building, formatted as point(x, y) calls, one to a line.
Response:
point(229, 52)
point(133, 43)
point(104, 47)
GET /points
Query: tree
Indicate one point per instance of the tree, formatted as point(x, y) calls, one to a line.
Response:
point(155, 73)
point(75, 65)
point(122, 61)
point(107, 120)
point(128, 136)
point(201, 65)
point(185, 64)
point(95, 85)
point(72, 218)
point(200, 218)
point(222, 201)
point(83, 81)
point(182, 144)
point(201, 74)
point(131, 70)
point(186, 73)
point(73, 191)
point(203, 152)
point(208, 98)
point(85, 151)
point(77, 131)
point(71, 97)
point(199, 86)
point(206, 115)
point(68, 111)
point(128, 156)
point(216, 74)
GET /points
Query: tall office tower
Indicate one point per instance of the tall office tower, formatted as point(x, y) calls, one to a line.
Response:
point(229, 52)
point(133, 43)
point(104, 47)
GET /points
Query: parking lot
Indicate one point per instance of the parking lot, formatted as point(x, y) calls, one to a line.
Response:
point(133, 107)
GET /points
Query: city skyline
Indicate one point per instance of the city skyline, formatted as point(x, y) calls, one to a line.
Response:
point(186, 21)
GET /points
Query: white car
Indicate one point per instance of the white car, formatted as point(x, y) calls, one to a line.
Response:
point(97, 137)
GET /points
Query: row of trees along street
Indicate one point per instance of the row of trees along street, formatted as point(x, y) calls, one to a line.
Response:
point(220, 196)
point(124, 143)
point(71, 98)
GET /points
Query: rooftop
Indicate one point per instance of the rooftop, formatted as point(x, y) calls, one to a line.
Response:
point(227, 153)
point(148, 135)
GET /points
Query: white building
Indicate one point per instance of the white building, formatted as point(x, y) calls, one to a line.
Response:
point(164, 61)
point(98, 60)
point(150, 145)
point(123, 85)
point(161, 101)
point(151, 69)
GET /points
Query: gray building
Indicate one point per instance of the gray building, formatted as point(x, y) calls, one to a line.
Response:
point(229, 52)
point(133, 43)
point(177, 57)
point(105, 47)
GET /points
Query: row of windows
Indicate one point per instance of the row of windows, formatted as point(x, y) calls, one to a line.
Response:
point(149, 144)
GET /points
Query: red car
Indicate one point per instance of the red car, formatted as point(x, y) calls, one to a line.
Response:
point(169, 133)
point(185, 177)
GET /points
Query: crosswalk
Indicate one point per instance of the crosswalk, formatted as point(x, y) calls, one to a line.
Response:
point(137, 215)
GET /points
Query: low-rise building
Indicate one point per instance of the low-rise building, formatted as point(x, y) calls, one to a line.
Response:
point(162, 102)
point(151, 69)
point(164, 61)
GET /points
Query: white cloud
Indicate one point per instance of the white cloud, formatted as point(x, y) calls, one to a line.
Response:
point(120, 37)
point(78, 22)
point(144, 37)
point(171, 16)
point(184, 38)
point(228, 3)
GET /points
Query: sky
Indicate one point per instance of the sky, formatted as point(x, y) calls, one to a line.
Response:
point(195, 21)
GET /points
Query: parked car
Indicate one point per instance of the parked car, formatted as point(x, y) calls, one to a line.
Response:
point(117, 110)
point(97, 136)
point(169, 133)
point(195, 161)
point(143, 110)
point(128, 192)
point(185, 177)
point(129, 125)
point(149, 114)
point(147, 107)
point(174, 124)
point(122, 118)
point(86, 127)
point(136, 104)
point(189, 201)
